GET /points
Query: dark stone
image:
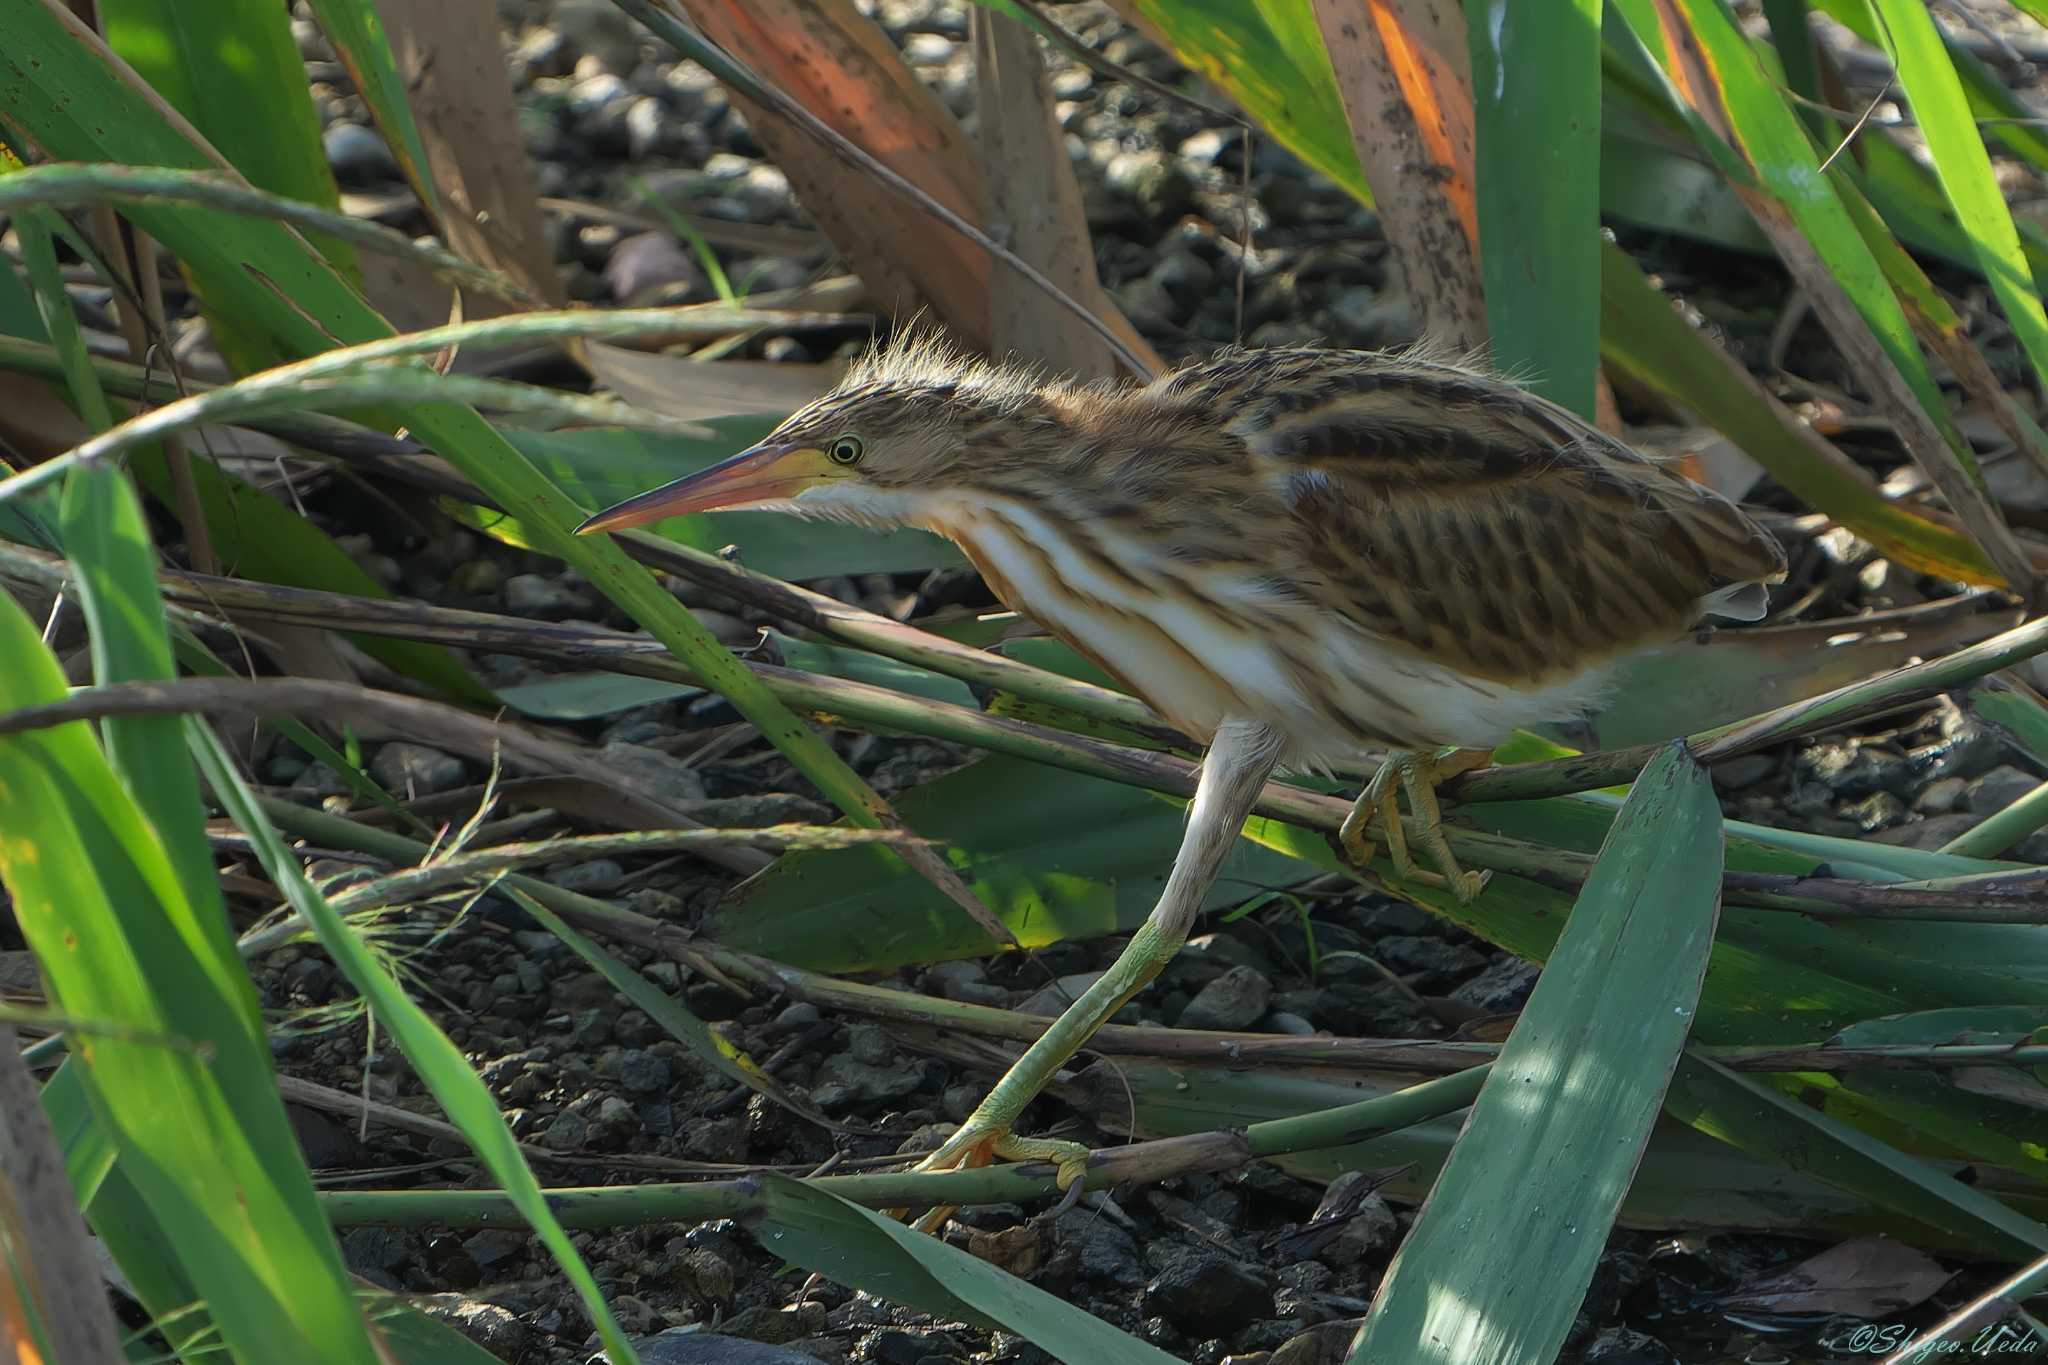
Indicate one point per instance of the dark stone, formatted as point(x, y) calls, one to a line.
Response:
point(1432, 963)
point(687, 1346)
point(498, 1331)
point(1206, 1296)
point(1626, 1346)
point(1234, 1000)
point(495, 1247)
point(1105, 1250)
point(375, 1248)
point(1502, 988)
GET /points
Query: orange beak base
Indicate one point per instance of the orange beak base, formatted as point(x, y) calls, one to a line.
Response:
point(764, 474)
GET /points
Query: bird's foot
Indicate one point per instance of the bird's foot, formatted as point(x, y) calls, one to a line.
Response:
point(973, 1145)
point(1418, 774)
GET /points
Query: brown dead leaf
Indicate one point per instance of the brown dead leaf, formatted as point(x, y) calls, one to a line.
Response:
point(1019, 1249)
point(842, 67)
point(1865, 1278)
point(676, 386)
point(1405, 78)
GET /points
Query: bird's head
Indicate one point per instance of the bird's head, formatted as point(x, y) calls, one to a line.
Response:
point(905, 426)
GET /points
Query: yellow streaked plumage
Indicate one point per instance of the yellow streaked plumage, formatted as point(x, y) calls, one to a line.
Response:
point(1297, 555)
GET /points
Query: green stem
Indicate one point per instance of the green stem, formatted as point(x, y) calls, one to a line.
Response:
point(633, 1205)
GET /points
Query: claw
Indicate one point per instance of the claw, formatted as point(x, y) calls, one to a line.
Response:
point(1417, 774)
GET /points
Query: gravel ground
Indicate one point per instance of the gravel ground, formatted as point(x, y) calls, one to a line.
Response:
point(1210, 1268)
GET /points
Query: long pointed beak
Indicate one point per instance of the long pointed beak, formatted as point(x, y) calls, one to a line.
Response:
point(766, 473)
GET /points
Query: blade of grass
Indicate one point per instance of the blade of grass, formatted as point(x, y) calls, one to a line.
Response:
point(206, 1142)
point(1536, 106)
point(1502, 1252)
point(1797, 207)
point(356, 31)
point(439, 1064)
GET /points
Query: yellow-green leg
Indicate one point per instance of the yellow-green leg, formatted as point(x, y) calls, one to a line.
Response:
point(1418, 774)
point(1233, 772)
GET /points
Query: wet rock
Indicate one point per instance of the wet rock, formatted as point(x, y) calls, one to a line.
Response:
point(1105, 1251)
point(478, 578)
point(1502, 988)
point(1879, 810)
point(1997, 789)
point(1745, 771)
point(778, 1326)
point(373, 1249)
point(536, 595)
point(1359, 1011)
point(655, 772)
point(650, 264)
point(592, 878)
point(845, 1082)
point(966, 981)
point(642, 1072)
point(1430, 962)
point(319, 782)
point(497, 1330)
point(1205, 1296)
point(1234, 1000)
point(495, 1247)
point(1327, 1343)
point(1151, 183)
point(1852, 770)
point(357, 154)
point(1626, 1346)
point(689, 1346)
point(1282, 1021)
point(1941, 796)
point(1053, 998)
point(1383, 915)
point(416, 770)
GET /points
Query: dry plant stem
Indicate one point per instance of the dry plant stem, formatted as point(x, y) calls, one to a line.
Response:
point(1143, 1162)
point(2015, 898)
point(69, 185)
point(137, 327)
point(52, 1268)
point(461, 98)
point(359, 1109)
point(669, 30)
point(1403, 73)
point(1233, 772)
point(448, 727)
point(1032, 202)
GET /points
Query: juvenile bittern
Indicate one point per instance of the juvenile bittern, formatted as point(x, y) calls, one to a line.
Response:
point(1300, 557)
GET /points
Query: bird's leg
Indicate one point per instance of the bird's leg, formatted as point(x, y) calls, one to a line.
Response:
point(1418, 774)
point(1233, 773)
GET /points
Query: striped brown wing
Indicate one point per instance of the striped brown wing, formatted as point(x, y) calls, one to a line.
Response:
point(1486, 528)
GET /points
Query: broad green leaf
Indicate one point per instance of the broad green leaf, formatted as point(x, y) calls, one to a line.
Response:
point(839, 661)
point(588, 696)
point(1536, 103)
point(1644, 335)
point(601, 466)
point(1775, 1127)
point(204, 1141)
point(1964, 166)
point(1054, 854)
point(231, 67)
point(1497, 1263)
point(869, 1251)
point(1687, 1179)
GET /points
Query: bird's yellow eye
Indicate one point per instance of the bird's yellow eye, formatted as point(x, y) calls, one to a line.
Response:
point(845, 450)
